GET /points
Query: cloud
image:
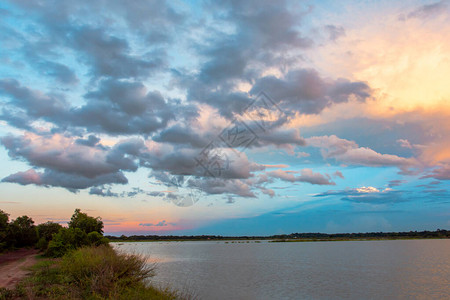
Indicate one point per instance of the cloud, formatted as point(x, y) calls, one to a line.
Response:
point(91, 141)
point(117, 107)
point(62, 154)
point(349, 152)
point(185, 161)
point(30, 105)
point(60, 72)
point(404, 143)
point(69, 164)
point(306, 175)
point(101, 191)
point(110, 56)
point(120, 107)
point(338, 174)
point(334, 32)
point(72, 182)
point(441, 173)
point(369, 195)
point(159, 224)
point(428, 10)
point(305, 91)
point(102, 45)
point(394, 183)
point(223, 186)
point(265, 36)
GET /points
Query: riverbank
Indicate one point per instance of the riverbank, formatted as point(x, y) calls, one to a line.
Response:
point(89, 273)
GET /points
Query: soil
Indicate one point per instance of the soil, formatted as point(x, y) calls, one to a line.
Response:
point(14, 266)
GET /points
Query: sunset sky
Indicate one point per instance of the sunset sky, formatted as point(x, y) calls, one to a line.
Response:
point(105, 104)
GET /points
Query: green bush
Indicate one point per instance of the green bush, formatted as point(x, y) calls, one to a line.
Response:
point(65, 240)
point(45, 232)
point(96, 239)
point(87, 265)
point(103, 272)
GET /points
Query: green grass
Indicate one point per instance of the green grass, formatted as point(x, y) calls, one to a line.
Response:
point(91, 273)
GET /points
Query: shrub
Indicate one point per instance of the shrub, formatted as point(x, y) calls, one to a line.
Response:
point(65, 240)
point(96, 239)
point(100, 270)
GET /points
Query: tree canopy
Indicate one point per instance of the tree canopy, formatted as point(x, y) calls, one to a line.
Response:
point(86, 223)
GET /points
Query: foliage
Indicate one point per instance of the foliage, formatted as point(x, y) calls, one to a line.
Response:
point(22, 232)
point(4, 223)
point(65, 240)
point(102, 271)
point(45, 233)
point(86, 223)
point(91, 273)
point(96, 239)
point(89, 267)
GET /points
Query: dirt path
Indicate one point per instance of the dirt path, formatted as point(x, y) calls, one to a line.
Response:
point(13, 266)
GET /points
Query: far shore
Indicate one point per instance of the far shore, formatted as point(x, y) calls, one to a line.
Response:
point(279, 240)
point(293, 237)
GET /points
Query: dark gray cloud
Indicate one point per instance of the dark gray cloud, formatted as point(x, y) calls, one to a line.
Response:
point(122, 107)
point(116, 107)
point(265, 34)
point(185, 161)
point(62, 155)
point(29, 105)
point(187, 135)
point(101, 191)
point(71, 165)
point(110, 56)
point(223, 186)
point(60, 72)
point(91, 141)
point(306, 175)
point(307, 92)
point(101, 44)
point(72, 182)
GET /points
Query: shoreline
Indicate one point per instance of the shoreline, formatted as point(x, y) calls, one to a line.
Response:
point(279, 240)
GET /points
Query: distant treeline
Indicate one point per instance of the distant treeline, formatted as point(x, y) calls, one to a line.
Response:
point(52, 238)
point(439, 233)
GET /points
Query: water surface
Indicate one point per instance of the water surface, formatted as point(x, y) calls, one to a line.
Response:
point(417, 269)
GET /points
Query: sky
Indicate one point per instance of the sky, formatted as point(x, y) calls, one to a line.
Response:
point(227, 118)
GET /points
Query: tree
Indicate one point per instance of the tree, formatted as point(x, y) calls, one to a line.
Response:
point(45, 233)
point(4, 223)
point(86, 223)
point(22, 232)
